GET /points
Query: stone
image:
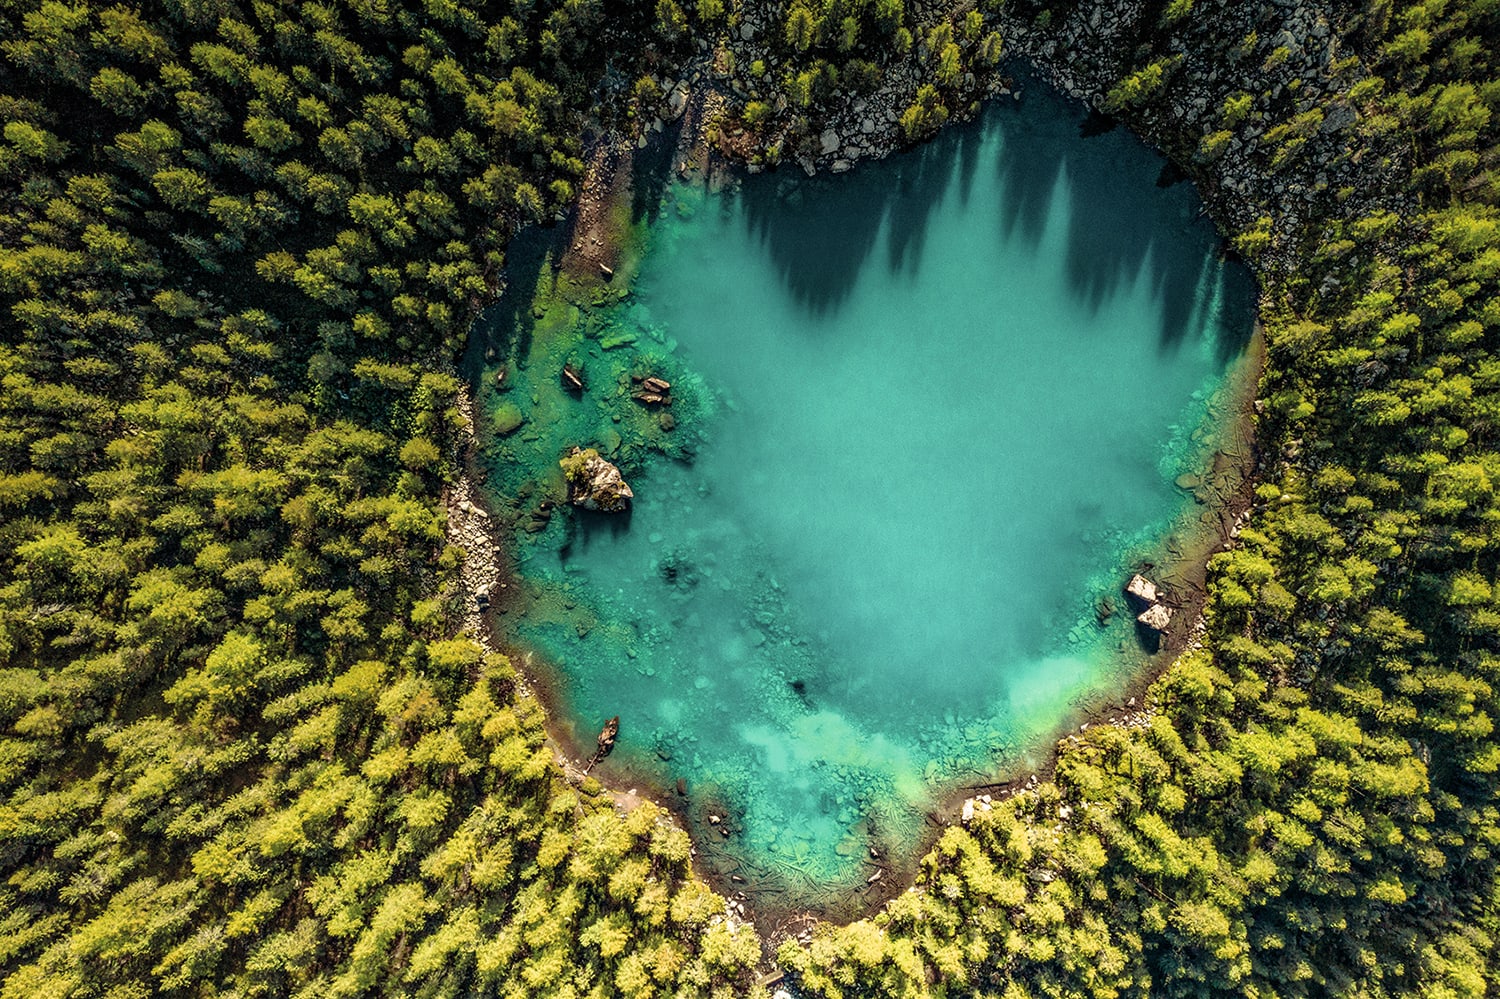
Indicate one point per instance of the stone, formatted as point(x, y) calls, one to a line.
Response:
point(593, 483)
point(1340, 115)
point(572, 378)
point(617, 338)
point(1156, 617)
point(677, 102)
point(654, 391)
point(1142, 589)
point(829, 142)
point(606, 740)
point(508, 418)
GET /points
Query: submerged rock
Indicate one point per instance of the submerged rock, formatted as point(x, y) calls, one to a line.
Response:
point(617, 338)
point(508, 418)
point(594, 483)
point(1104, 609)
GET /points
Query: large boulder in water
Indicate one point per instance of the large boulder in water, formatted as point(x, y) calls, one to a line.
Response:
point(594, 483)
point(1142, 589)
point(1157, 617)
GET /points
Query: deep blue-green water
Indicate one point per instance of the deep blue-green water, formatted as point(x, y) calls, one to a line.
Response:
point(931, 412)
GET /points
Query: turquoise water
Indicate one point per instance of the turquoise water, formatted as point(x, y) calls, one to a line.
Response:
point(928, 413)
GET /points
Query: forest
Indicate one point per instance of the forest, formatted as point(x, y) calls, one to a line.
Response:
point(245, 748)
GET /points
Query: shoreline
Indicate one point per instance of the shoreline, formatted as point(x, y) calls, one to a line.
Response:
point(590, 253)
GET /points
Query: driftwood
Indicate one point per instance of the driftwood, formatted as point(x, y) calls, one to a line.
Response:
point(572, 378)
point(606, 742)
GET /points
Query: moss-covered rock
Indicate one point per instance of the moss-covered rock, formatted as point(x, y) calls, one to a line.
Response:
point(508, 418)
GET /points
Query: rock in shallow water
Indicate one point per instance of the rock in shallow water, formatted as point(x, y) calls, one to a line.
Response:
point(1157, 617)
point(1142, 589)
point(594, 483)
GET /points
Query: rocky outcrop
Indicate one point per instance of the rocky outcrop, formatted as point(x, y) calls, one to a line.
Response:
point(653, 391)
point(593, 483)
point(1145, 595)
point(1294, 141)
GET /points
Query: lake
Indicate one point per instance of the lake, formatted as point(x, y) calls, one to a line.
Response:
point(926, 419)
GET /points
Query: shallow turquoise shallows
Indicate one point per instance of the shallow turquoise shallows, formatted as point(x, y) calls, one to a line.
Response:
point(942, 402)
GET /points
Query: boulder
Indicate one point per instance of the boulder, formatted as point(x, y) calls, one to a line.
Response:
point(654, 391)
point(508, 418)
point(1156, 617)
point(594, 483)
point(1142, 589)
point(607, 736)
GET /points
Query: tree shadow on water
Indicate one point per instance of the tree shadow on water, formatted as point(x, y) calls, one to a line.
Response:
point(1122, 227)
point(820, 232)
point(502, 326)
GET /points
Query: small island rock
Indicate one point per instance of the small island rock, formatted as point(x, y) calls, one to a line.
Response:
point(594, 483)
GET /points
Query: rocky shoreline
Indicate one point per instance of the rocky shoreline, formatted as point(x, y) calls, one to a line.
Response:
point(1081, 56)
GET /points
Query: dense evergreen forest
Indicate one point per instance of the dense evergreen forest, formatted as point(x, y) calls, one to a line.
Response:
point(243, 747)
